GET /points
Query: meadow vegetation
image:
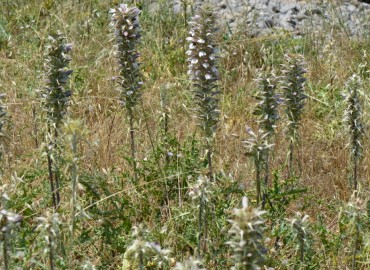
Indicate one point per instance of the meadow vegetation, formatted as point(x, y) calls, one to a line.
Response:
point(140, 138)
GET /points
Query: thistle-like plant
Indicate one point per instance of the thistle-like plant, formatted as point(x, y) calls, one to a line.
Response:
point(48, 228)
point(165, 117)
point(75, 132)
point(294, 96)
point(190, 264)
point(3, 120)
point(354, 122)
point(55, 99)
point(7, 221)
point(142, 252)
point(267, 112)
point(204, 75)
point(354, 224)
point(126, 28)
point(246, 237)
point(300, 231)
point(257, 146)
point(201, 191)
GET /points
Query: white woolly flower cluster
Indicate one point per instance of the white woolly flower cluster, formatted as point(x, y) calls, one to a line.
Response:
point(246, 237)
point(353, 115)
point(126, 27)
point(202, 69)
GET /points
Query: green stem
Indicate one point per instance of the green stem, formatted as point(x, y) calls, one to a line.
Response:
point(51, 250)
point(209, 160)
point(200, 214)
point(50, 170)
point(266, 182)
point(356, 244)
point(301, 240)
point(74, 183)
point(355, 172)
point(56, 168)
point(290, 166)
point(132, 140)
point(258, 180)
point(141, 260)
point(4, 226)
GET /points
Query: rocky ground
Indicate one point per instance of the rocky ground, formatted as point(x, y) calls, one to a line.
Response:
point(260, 17)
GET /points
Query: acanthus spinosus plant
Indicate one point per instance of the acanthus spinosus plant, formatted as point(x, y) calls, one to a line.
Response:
point(294, 95)
point(246, 237)
point(267, 112)
point(353, 119)
point(126, 29)
point(141, 252)
point(204, 75)
point(3, 120)
point(257, 146)
point(202, 191)
point(55, 98)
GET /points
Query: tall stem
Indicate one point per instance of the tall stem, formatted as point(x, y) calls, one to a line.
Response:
point(35, 129)
point(290, 166)
point(141, 260)
point(74, 183)
point(205, 240)
point(51, 250)
point(50, 170)
point(132, 140)
point(355, 172)
point(209, 160)
point(266, 182)
point(165, 129)
point(301, 239)
point(258, 181)
point(200, 214)
point(355, 245)
point(5, 242)
point(56, 168)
